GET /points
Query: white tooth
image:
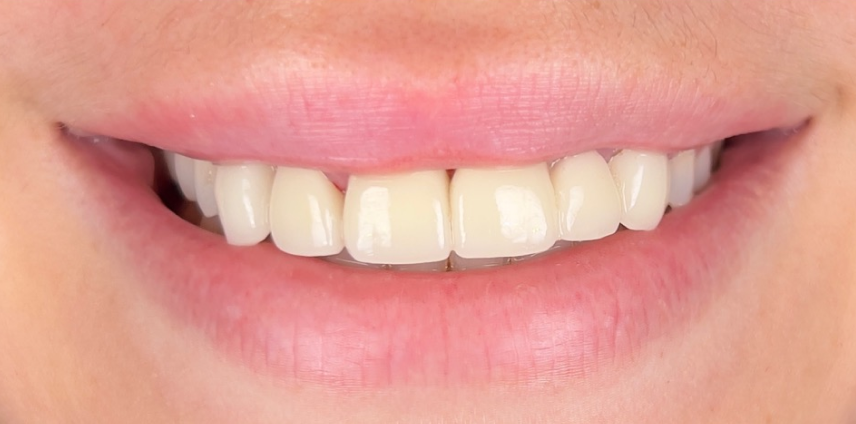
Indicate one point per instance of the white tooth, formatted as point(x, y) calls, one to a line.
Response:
point(169, 159)
point(398, 219)
point(243, 199)
point(457, 263)
point(642, 179)
point(588, 204)
point(305, 213)
point(681, 178)
point(702, 166)
point(503, 212)
point(186, 176)
point(204, 173)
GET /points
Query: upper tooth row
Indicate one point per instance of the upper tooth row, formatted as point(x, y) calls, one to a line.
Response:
point(421, 217)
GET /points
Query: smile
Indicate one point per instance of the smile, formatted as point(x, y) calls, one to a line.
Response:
point(415, 221)
point(435, 261)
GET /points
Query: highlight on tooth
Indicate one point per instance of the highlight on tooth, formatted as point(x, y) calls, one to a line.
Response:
point(427, 221)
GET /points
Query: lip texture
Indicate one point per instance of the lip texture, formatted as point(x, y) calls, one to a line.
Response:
point(569, 315)
point(353, 123)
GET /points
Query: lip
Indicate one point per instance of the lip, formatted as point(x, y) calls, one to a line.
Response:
point(338, 122)
point(568, 316)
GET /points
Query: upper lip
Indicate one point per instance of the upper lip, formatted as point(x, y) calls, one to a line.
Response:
point(326, 120)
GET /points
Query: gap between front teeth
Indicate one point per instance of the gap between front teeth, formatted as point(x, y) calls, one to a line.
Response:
point(429, 221)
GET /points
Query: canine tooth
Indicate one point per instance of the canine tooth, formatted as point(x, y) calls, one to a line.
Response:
point(681, 178)
point(703, 164)
point(243, 199)
point(204, 173)
point(185, 176)
point(398, 219)
point(642, 179)
point(457, 263)
point(305, 213)
point(587, 200)
point(503, 212)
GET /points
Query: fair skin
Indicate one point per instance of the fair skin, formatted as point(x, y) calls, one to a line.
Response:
point(84, 339)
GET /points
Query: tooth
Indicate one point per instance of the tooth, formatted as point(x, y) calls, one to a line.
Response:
point(588, 204)
point(503, 212)
point(185, 176)
point(398, 219)
point(204, 173)
point(702, 167)
point(305, 213)
point(243, 199)
point(681, 178)
point(457, 263)
point(642, 179)
point(169, 159)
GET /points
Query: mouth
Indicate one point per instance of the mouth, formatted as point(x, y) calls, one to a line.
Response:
point(424, 259)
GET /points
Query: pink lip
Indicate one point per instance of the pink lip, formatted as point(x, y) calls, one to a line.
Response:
point(325, 120)
point(569, 316)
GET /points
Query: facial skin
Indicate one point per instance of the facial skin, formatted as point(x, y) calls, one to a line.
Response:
point(81, 343)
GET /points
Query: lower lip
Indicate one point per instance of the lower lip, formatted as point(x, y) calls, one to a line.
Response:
point(568, 315)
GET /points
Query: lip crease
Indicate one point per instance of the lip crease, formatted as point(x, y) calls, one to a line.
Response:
point(568, 316)
point(355, 123)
